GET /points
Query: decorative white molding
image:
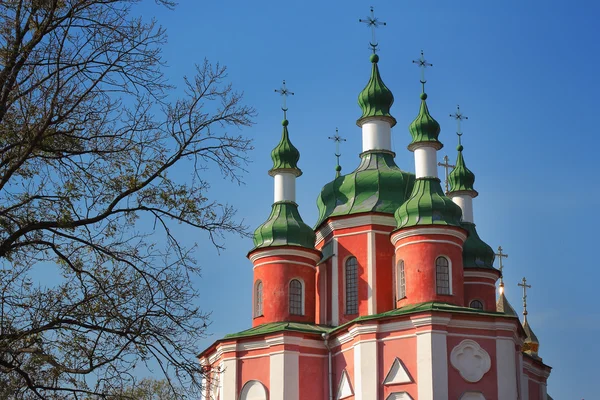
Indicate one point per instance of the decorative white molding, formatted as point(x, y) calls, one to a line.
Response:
point(345, 387)
point(471, 360)
point(429, 241)
point(480, 283)
point(335, 285)
point(399, 396)
point(432, 365)
point(366, 382)
point(257, 255)
point(475, 396)
point(427, 231)
point(284, 383)
point(283, 262)
point(430, 320)
point(397, 374)
point(353, 222)
point(506, 367)
point(396, 326)
point(481, 274)
point(371, 268)
point(230, 387)
point(254, 390)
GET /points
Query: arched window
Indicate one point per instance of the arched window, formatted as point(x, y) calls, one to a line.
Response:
point(442, 275)
point(351, 275)
point(476, 304)
point(401, 290)
point(296, 297)
point(258, 299)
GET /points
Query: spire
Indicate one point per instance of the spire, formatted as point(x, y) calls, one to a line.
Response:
point(500, 256)
point(461, 178)
point(531, 344)
point(285, 156)
point(284, 227)
point(376, 99)
point(503, 305)
point(424, 128)
point(337, 139)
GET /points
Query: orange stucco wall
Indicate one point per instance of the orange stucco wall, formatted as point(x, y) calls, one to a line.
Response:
point(313, 378)
point(253, 369)
point(404, 349)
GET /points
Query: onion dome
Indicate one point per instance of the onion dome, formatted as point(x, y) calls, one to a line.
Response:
point(461, 178)
point(376, 99)
point(285, 156)
point(377, 185)
point(427, 205)
point(476, 253)
point(424, 129)
point(503, 306)
point(531, 344)
point(284, 227)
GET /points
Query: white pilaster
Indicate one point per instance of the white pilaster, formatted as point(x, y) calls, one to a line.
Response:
point(524, 379)
point(432, 366)
point(371, 267)
point(366, 381)
point(425, 162)
point(285, 187)
point(465, 202)
point(229, 375)
point(376, 135)
point(284, 376)
point(335, 318)
point(506, 364)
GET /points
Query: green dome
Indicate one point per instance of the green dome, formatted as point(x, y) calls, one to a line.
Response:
point(376, 99)
point(461, 178)
point(424, 129)
point(427, 205)
point(377, 185)
point(285, 156)
point(284, 227)
point(476, 253)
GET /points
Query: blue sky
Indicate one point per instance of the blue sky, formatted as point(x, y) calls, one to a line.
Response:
point(524, 72)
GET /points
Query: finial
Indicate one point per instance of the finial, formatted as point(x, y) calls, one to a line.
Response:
point(422, 63)
point(337, 139)
point(446, 164)
point(525, 286)
point(284, 92)
point(500, 256)
point(373, 22)
point(458, 116)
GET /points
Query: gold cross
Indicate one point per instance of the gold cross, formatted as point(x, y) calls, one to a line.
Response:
point(501, 255)
point(446, 164)
point(525, 286)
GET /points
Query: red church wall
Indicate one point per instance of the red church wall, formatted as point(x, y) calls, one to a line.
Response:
point(420, 269)
point(313, 377)
point(276, 275)
point(354, 245)
point(488, 385)
point(341, 361)
point(384, 258)
point(535, 392)
point(253, 369)
point(405, 349)
point(480, 288)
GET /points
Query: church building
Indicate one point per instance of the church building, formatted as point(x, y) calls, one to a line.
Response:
point(392, 295)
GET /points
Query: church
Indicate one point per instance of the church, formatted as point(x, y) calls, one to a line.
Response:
point(391, 295)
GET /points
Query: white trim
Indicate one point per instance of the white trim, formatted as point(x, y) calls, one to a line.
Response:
point(427, 231)
point(344, 387)
point(465, 202)
point(432, 365)
point(284, 376)
point(524, 379)
point(371, 278)
point(229, 388)
point(251, 384)
point(283, 262)
point(366, 368)
point(480, 274)
point(506, 365)
point(397, 374)
point(352, 222)
point(339, 235)
point(260, 253)
point(376, 135)
point(429, 241)
point(284, 187)
point(335, 311)
point(425, 161)
point(480, 283)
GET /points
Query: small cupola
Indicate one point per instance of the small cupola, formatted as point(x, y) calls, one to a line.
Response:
point(376, 99)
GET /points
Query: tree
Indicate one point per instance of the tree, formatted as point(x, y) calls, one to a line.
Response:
point(148, 389)
point(89, 138)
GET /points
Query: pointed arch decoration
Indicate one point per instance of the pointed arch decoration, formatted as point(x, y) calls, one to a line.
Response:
point(472, 396)
point(345, 387)
point(399, 396)
point(254, 390)
point(397, 374)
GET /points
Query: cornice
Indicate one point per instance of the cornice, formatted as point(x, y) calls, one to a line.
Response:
point(353, 222)
point(271, 252)
point(429, 230)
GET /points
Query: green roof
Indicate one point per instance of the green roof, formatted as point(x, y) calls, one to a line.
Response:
point(476, 253)
point(503, 306)
point(376, 99)
point(427, 205)
point(274, 327)
point(424, 129)
point(285, 156)
point(377, 185)
point(284, 227)
point(461, 178)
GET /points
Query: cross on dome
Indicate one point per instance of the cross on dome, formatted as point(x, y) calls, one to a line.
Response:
point(500, 256)
point(422, 64)
point(284, 92)
point(446, 164)
point(373, 22)
point(337, 139)
point(525, 286)
point(459, 117)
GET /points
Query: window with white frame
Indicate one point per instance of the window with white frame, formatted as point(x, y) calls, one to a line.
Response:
point(258, 299)
point(296, 297)
point(401, 280)
point(476, 304)
point(442, 275)
point(351, 278)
